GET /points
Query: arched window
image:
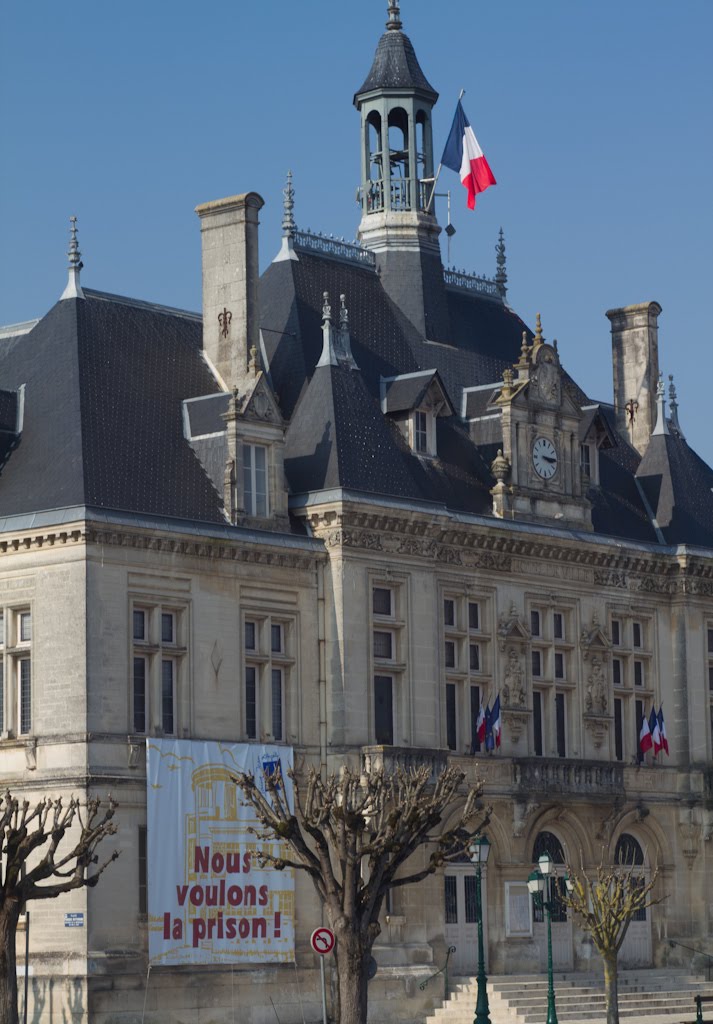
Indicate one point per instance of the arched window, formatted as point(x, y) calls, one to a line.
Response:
point(398, 143)
point(547, 842)
point(373, 122)
point(421, 167)
point(628, 851)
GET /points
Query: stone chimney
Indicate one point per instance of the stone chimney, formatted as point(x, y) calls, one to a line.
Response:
point(229, 241)
point(635, 364)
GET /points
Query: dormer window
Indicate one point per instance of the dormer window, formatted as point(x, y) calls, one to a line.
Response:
point(255, 480)
point(414, 401)
point(420, 432)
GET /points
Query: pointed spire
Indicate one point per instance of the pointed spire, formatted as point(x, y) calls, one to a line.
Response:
point(661, 424)
point(287, 249)
point(328, 357)
point(394, 23)
point(344, 344)
point(539, 336)
point(74, 288)
point(673, 405)
point(501, 276)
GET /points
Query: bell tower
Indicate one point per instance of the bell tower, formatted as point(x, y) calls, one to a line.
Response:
point(398, 222)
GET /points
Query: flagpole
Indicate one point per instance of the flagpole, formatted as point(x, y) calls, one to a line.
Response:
point(461, 94)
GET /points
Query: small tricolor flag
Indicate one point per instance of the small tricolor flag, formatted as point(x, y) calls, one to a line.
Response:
point(646, 740)
point(480, 726)
point(662, 730)
point(497, 724)
point(655, 731)
point(464, 156)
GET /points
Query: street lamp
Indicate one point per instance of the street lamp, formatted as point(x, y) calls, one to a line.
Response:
point(478, 852)
point(541, 884)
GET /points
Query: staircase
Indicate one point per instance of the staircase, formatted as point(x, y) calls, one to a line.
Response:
point(645, 997)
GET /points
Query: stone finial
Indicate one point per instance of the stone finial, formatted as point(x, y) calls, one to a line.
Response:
point(501, 277)
point(74, 288)
point(253, 363)
point(343, 345)
point(507, 384)
point(673, 405)
point(500, 467)
point(343, 312)
point(287, 249)
point(328, 356)
point(394, 23)
point(523, 364)
point(539, 336)
point(661, 424)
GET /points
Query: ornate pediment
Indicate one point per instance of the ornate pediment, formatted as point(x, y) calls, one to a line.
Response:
point(594, 641)
point(260, 404)
point(511, 629)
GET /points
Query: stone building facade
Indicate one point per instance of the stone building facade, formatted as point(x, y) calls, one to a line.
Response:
point(356, 501)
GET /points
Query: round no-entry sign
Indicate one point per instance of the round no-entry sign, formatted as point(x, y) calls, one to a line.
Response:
point(322, 941)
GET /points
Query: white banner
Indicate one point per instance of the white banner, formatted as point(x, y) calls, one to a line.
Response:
point(209, 901)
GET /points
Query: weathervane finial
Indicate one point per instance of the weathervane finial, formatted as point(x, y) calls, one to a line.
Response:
point(501, 274)
point(288, 219)
point(74, 256)
point(394, 22)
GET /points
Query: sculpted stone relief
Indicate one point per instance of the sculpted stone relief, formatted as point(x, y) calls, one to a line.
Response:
point(513, 690)
point(596, 699)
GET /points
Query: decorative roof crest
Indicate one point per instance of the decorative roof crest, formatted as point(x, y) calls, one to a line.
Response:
point(501, 276)
point(394, 23)
point(74, 288)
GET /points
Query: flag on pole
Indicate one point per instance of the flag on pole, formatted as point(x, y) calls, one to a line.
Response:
point(497, 723)
point(662, 730)
point(464, 156)
point(645, 739)
point(480, 725)
point(655, 731)
point(489, 738)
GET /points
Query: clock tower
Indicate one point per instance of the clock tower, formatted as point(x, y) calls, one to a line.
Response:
point(538, 470)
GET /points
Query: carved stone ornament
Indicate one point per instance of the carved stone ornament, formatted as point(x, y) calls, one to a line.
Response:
point(598, 727)
point(597, 698)
point(515, 724)
point(31, 755)
point(135, 751)
point(690, 835)
point(547, 377)
point(594, 641)
point(521, 811)
point(513, 691)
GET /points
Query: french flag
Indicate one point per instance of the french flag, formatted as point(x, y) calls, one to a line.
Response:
point(480, 725)
point(646, 740)
point(464, 156)
point(655, 731)
point(483, 718)
point(497, 724)
point(662, 730)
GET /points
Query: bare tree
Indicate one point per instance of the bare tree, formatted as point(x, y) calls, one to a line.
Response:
point(33, 867)
point(607, 903)
point(352, 834)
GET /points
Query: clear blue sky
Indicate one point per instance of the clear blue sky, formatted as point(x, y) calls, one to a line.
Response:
point(596, 117)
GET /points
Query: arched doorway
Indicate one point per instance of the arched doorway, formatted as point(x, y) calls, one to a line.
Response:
point(636, 947)
point(562, 956)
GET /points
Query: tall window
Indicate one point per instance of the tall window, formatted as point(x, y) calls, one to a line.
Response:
point(255, 479)
point(466, 663)
point(553, 672)
point(420, 432)
point(16, 715)
point(268, 667)
point(388, 658)
point(157, 666)
point(632, 671)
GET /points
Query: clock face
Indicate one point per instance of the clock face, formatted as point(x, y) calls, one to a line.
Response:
point(544, 458)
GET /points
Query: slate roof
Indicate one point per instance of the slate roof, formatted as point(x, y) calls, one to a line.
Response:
point(104, 383)
point(679, 489)
point(396, 66)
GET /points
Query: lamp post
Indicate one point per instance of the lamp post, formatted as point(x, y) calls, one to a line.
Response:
point(478, 852)
point(541, 883)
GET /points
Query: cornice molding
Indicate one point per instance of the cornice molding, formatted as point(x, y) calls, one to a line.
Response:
point(474, 546)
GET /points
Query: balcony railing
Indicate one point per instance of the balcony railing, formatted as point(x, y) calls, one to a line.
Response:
point(545, 775)
point(402, 193)
point(391, 758)
point(337, 247)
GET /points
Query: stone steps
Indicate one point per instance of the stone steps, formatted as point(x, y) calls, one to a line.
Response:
point(645, 997)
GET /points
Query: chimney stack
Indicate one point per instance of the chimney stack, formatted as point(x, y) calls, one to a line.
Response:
point(635, 365)
point(229, 242)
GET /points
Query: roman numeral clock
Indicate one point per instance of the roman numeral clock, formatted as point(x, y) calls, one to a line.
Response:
point(538, 474)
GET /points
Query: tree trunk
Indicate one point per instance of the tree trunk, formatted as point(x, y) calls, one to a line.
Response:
point(9, 915)
point(611, 988)
point(352, 959)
